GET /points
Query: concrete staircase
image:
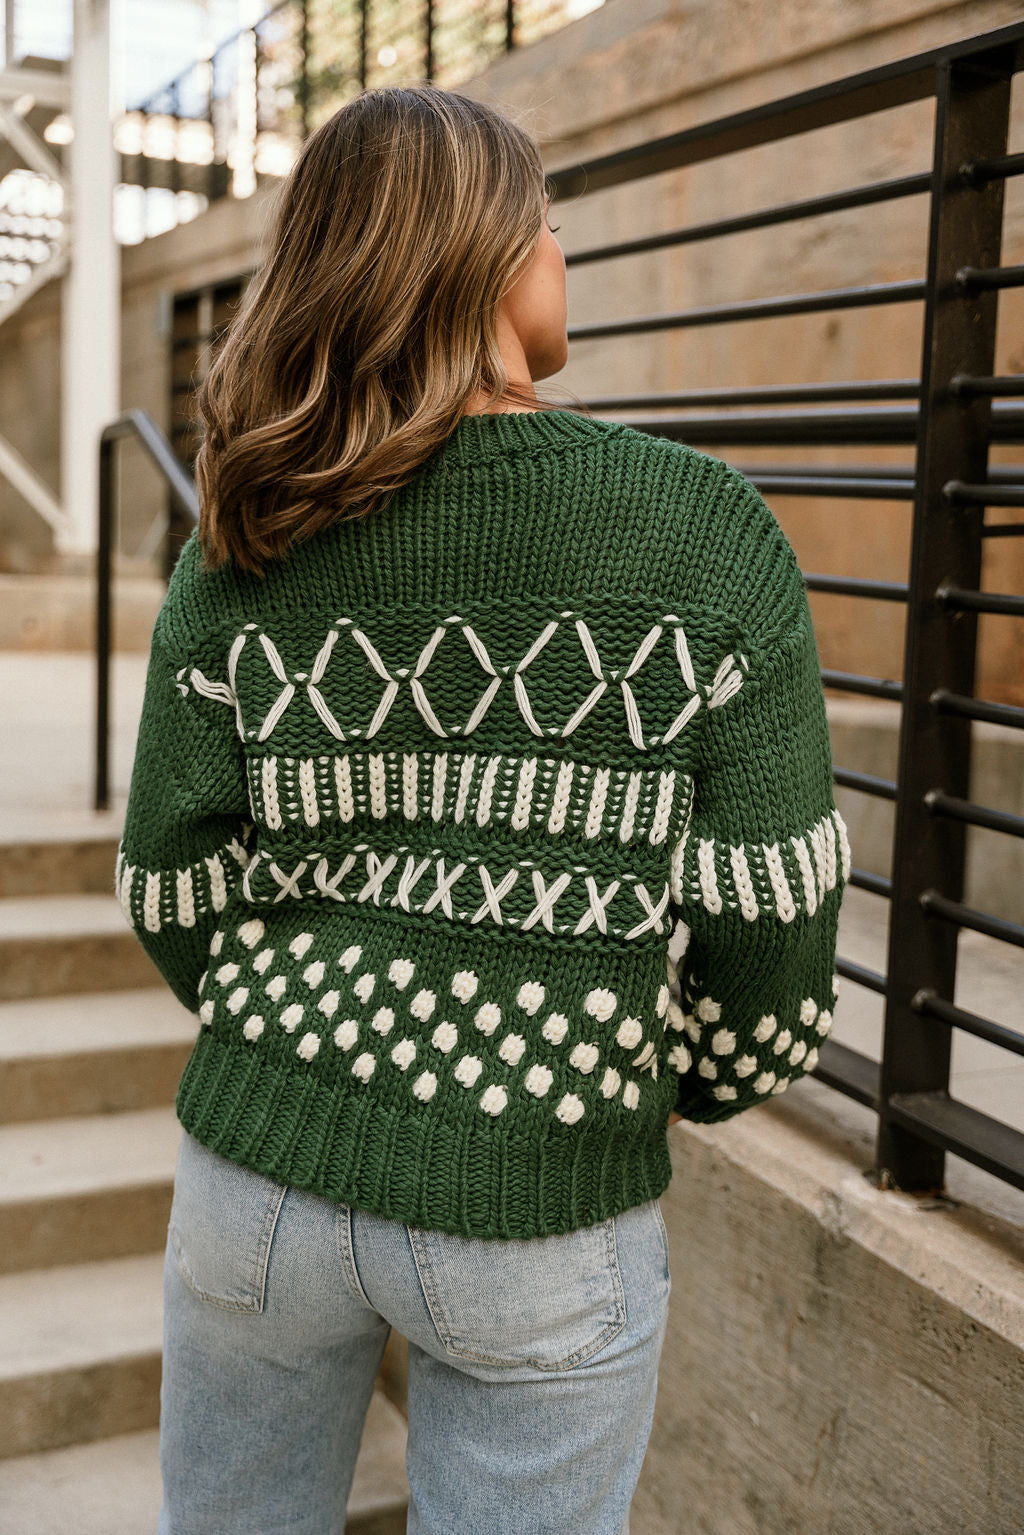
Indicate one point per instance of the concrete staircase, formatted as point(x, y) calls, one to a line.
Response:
point(91, 1047)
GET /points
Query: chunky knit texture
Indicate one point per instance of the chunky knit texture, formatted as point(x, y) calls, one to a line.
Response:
point(482, 833)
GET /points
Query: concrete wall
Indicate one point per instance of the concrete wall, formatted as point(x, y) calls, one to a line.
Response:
point(840, 1360)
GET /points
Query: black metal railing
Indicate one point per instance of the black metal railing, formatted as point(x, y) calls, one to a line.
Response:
point(137, 424)
point(267, 86)
point(950, 417)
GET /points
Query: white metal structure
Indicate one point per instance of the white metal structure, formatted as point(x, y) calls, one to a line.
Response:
point(88, 258)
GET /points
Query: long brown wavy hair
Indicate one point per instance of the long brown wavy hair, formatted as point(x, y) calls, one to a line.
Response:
point(371, 325)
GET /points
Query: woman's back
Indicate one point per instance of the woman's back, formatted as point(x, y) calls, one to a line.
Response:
point(418, 814)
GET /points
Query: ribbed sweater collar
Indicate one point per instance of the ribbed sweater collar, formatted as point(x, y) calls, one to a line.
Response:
point(480, 437)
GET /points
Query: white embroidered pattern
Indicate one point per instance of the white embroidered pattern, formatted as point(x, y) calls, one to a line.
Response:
point(727, 680)
point(522, 897)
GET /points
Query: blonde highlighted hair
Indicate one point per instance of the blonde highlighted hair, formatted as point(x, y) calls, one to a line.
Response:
point(372, 323)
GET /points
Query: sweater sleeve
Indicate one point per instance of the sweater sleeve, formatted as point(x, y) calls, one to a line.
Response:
point(756, 885)
point(183, 845)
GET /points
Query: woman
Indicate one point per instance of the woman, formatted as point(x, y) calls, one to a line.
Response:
point(482, 810)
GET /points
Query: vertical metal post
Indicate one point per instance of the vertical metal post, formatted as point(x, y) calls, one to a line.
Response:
point(91, 292)
point(101, 800)
point(428, 68)
point(304, 39)
point(175, 103)
point(972, 109)
point(364, 30)
point(510, 25)
point(9, 54)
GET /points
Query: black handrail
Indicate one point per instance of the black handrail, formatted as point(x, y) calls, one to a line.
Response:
point(951, 417)
point(140, 425)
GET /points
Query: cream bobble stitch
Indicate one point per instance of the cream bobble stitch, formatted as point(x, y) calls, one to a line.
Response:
point(556, 1028)
point(570, 1109)
point(494, 1100)
point(600, 1004)
point(422, 1005)
point(445, 1037)
point(400, 972)
point(487, 1017)
point(538, 1080)
point(425, 1086)
point(468, 1069)
point(584, 1058)
point(292, 1016)
point(530, 996)
point(464, 985)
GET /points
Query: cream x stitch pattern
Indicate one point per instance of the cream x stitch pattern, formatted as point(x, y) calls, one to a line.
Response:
point(484, 832)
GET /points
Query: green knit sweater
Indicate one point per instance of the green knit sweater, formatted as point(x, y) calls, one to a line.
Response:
point(484, 832)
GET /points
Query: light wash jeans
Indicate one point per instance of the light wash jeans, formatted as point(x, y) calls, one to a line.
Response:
point(532, 1364)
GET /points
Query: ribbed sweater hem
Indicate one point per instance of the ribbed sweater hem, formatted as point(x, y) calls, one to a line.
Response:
point(350, 1147)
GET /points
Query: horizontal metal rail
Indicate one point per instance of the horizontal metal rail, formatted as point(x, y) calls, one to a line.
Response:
point(932, 1006)
point(869, 979)
point(976, 173)
point(871, 687)
point(851, 1072)
point(910, 292)
point(762, 394)
point(974, 279)
point(941, 803)
point(1002, 530)
point(967, 1132)
point(978, 709)
point(877, 425)
point(981, 602)
point(865, 783)
point(1007, 385)
point(853, 586)
point(875, 90)
point(875, 884)
point(763, 218)
point(840, 488)
point(991, 494)
point(940, 906)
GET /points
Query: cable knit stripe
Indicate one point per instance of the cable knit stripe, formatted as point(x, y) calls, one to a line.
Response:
point(153, 899)
point(780, 879)
point(494, 790)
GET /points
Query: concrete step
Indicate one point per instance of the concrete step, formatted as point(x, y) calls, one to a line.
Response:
point(113, 1487)
point(79, 1353)
point(56, 944)
point(73, 1191)
point(57, 611)
point(60, 862)
point(95, 1053)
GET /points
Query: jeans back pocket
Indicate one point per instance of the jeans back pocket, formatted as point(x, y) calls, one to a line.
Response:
point(221, 1226)
point(548, 1302)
